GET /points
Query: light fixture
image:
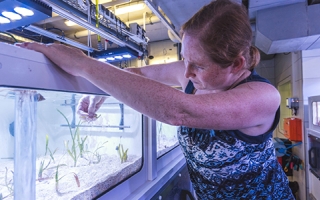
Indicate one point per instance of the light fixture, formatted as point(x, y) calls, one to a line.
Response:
point(11, 15)
point(116, 54)
point(129, 8)
point(126, 56)
point(102, 59)
point(110, 58)
point(69, 23)
point(4, 20)
point(24, 11)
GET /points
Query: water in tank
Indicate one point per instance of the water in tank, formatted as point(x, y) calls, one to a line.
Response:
point(46, 150)
point(75, 159)
point(166, 138)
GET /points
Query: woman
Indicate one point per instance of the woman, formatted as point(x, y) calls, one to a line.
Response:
point(227, 113)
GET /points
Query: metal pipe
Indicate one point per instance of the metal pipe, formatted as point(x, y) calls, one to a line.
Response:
point(144, 20)
point(58, 37)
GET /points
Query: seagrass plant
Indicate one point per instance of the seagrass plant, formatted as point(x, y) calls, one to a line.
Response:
point(123, 154)
point(76, 143)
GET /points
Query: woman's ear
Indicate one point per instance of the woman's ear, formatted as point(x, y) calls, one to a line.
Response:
point(238, 64)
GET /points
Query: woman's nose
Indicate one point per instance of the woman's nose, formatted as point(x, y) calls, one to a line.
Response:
point(188, 72)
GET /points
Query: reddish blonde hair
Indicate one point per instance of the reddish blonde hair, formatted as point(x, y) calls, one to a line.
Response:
point(224, 32)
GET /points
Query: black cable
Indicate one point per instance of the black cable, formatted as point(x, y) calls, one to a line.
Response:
point(75, 36)
point(22, 32)
point(53, 28)
point(150, 22)
point(15, 40)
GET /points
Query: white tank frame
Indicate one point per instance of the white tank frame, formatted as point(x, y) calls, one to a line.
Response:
point(26, 69)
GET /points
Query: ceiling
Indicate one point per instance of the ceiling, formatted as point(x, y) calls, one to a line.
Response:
point(261, 13)
point(279, 26)
point(176, 11)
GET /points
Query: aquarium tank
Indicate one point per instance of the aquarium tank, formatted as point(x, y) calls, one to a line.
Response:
point(166, 137)
point(47, 151)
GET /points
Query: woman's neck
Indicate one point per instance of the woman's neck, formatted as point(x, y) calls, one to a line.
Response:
point(242, 75)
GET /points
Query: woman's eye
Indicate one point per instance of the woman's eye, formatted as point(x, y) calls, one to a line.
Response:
point(198, 67)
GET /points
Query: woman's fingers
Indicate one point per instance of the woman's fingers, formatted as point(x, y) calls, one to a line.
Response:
point(67, 58)
point(33, 46)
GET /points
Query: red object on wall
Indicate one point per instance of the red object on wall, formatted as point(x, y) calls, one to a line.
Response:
point(293, 129)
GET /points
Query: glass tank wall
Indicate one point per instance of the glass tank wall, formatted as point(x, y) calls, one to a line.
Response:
point(48, 152)
point(316, 113)
point(166, 137)
point(73, 159)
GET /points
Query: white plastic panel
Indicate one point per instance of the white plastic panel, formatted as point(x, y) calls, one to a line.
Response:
point(23, 68)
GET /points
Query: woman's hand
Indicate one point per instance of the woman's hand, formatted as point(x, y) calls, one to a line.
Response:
point(67, 58)
point(88, 106)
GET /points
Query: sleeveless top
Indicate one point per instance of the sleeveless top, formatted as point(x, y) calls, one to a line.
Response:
point(228, 164)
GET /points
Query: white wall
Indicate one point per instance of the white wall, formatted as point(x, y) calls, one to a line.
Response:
point(297, 91)
point(311, 87)
point(311, 75)
point(162, 51)
point(266, 70)
point(288, 68)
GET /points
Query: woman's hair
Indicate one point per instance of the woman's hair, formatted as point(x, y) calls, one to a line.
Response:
point(224, 32)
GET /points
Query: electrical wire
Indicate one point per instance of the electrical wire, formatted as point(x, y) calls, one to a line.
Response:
point(89, 21)
point(24, 33)
point(150, 22)
point(97, 25)
point(15, 40)
point(58, 29)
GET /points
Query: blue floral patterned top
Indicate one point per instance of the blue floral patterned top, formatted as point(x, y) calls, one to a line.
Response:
point(228, 164)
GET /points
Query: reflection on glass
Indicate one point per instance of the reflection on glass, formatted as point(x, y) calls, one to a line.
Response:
point(166, 138)
point(6, 144)
point(314, 113)
point(318, 113)
point(75, 159)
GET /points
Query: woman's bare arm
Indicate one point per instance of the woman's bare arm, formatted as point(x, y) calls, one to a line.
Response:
point(171, 74)
point(248, 106)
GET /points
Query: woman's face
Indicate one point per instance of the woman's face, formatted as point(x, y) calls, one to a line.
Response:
point(204, 73)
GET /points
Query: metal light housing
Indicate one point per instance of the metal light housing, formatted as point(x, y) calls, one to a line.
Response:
point(116, 54)
point(24, 12)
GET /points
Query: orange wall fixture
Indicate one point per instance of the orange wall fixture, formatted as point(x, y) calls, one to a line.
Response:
point(293, 128)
